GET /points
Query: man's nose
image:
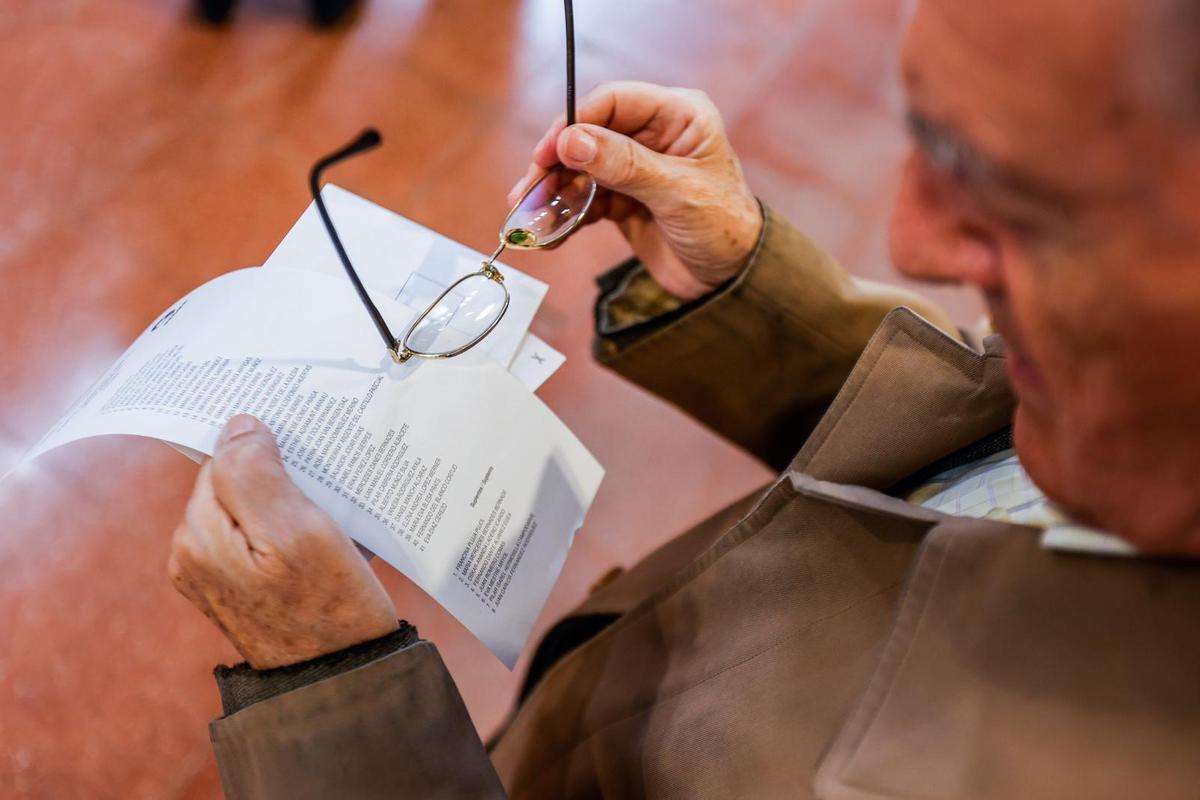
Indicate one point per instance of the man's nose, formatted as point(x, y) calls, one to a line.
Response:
point(932, 236)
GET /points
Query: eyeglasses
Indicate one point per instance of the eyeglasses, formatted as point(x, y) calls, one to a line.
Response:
point(470, 308)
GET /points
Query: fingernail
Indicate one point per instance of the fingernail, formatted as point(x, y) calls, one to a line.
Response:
point(580, 147)
point(242, 423)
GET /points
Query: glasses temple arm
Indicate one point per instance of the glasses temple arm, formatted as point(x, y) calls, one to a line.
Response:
point(569, 12)
point(366, 140)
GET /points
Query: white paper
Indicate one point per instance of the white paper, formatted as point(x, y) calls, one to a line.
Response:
point(451, 471)
point(535, 361)
point(387, 250)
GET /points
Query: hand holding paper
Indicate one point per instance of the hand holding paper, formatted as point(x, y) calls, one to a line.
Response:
point(266, 565)
point(451, 471)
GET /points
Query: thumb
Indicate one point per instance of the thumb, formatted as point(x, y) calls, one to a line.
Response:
point(248, 475)
point(616, 161)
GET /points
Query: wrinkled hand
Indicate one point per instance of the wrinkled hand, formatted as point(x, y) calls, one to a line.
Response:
point(670, 179)
point(267, 566)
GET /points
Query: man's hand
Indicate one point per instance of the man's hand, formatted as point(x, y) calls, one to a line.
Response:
point(268, 567)
point(670, 179)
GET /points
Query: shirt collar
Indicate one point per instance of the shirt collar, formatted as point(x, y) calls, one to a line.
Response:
point(1072, 537)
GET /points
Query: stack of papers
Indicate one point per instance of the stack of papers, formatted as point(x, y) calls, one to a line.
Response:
point(412, 265)
point(452, 471)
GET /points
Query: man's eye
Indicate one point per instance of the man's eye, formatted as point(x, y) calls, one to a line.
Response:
point(1022, 220)
point(1023, 227)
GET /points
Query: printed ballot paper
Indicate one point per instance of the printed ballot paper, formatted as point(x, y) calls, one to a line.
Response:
point(452, 471)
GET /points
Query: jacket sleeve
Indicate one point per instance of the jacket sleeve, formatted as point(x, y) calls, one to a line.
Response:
point(390, 725)
point(760, 359)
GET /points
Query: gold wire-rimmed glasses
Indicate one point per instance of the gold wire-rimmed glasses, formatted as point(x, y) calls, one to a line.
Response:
point(470, 308)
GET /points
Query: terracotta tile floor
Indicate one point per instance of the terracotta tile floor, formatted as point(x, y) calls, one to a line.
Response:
point(147, 153)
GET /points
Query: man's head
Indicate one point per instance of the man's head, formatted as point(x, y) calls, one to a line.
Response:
point(1056, 166)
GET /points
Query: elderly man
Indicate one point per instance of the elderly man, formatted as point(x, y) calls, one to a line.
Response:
point(886, 619)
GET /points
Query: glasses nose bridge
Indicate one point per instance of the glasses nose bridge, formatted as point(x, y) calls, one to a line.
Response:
point(493, 273)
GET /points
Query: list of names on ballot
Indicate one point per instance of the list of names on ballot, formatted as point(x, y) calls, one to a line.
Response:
point(321, 434)
point(453, 472)
point(490, 560)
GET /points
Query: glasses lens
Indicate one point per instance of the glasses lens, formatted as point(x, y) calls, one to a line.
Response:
point(551, 209)
point(463, 315)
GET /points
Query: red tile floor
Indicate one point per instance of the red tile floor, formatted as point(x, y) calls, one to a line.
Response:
point(146, 153)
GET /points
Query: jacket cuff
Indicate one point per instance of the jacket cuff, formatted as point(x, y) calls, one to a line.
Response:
point(242, 686)
point(631, 305)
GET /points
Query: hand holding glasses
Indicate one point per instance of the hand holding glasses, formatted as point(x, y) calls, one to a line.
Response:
point(470, 308)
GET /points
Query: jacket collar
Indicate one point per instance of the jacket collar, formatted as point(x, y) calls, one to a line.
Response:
point(915, 396)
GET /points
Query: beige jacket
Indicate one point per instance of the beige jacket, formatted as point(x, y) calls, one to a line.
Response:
point(821, 638)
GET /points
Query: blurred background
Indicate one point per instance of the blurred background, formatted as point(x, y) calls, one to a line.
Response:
point(147, 152)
